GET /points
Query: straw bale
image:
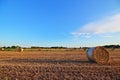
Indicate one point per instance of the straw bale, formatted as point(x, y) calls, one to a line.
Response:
point(1, 49)
point(20, 49)
point(98, 54)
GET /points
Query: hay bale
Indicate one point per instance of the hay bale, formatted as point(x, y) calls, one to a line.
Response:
point(1, 49)
point(20, 49)
point(98, 54)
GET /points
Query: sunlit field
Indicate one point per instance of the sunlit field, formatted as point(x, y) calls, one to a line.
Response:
point(56, 65)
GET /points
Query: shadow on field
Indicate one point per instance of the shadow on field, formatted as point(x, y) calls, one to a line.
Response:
point(46, 61)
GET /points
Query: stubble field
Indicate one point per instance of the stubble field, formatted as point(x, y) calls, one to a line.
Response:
point(56, 65)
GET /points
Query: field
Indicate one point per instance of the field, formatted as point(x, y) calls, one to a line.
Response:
point(56, 65)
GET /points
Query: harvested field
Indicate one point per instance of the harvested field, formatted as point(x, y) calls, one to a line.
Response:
point(56, 65)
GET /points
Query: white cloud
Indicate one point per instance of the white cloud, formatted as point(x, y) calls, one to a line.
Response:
point(107, 25)
point(108, 36)
point(87, 36)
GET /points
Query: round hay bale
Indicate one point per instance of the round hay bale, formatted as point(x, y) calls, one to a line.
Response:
point(98, 54)
point(1, 49)
point(20, 49)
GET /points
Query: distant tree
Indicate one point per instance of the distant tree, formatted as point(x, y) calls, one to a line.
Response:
point(4, 47)
point(57, 47)
point(15, 47)
point(34, 47)
point(112, 46)
point(8, 47)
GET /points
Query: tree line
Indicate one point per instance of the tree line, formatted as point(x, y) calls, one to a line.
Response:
point(57, 47)
point(112, 46)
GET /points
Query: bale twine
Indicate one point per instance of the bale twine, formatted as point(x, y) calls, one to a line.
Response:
point(98, 54)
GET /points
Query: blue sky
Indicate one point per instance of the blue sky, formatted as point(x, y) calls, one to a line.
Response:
point(69, 23)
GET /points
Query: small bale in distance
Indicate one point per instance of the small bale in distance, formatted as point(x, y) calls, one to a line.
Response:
point(98, 54)
point(1, 49)
point(20, 49)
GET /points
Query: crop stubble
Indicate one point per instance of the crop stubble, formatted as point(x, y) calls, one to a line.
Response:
point(54, 65)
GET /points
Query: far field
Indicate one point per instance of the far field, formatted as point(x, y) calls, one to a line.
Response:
point(56, 65)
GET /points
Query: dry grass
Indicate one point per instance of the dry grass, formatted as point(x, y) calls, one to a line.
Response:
point(54, 65)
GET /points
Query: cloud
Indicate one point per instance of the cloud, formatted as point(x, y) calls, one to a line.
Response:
point(108, 36)
point(87, 36)
point(107, 25)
